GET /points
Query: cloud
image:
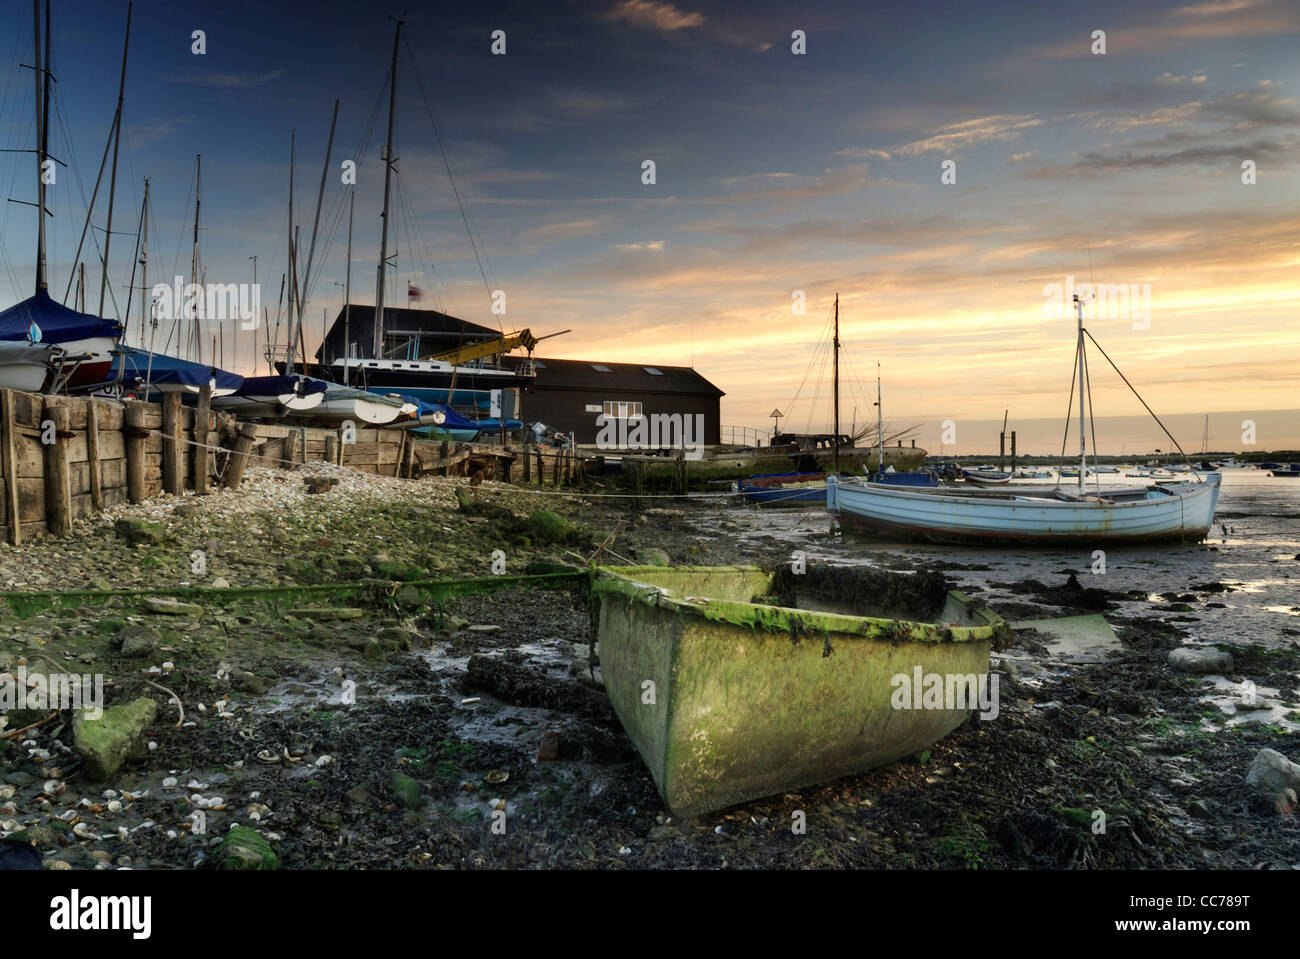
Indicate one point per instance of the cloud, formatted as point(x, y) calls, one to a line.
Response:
point(1280, 152)
point(1022, 157)
point(967, 133)
point(236, 81)
point(1168, 79)
point(656, 246)
point(862, 153)
point(794, 186)
point(1215, 19)
point(653, 16)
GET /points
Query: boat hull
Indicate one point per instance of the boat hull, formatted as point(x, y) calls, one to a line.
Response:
point(739, 711)
point(1180, 513)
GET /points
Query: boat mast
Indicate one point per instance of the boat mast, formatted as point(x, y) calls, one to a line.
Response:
point(311, 248)
point(144, 261)
point(837, 384)
point(347, 292)
point(194, 263)
point(43, 134)
point(1083, 436)
point(388, 187)
point(880, 420)
point(112, 177)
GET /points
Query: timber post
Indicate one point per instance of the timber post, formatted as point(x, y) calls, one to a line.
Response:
point(173, 465)
point(58, 469)
point(10, 467)
point(239, 457)
point(200, 459)
point(134, 435)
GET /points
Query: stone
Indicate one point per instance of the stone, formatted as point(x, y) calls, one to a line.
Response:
point(1198, 809)
point(139, 640)
point(104, 744)
point(244, 848)
point(170, 607)
point(327, 613)
point(253, 684)
point(407, 790)
point(358, 795)
point(1275, 778)
point(1201, 659)
point(485, 628)
point(549, 747)
point(136, 531)
point(221, 583)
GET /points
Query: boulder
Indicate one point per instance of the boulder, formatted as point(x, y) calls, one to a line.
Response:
point(104, 744)
point(1201, 659)
point(1275, 778)
point(139, 640)
point(244, 848)
point(407, 790)
point(170, 607)
point(136, 531)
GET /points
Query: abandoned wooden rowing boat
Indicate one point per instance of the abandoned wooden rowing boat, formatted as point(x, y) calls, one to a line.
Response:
point(732, 688)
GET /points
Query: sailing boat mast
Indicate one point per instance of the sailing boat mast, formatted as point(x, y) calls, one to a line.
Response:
point(880, 421)
point(194, 264)
point(1083, 436)
point(293, 270)
point(388, 187)
point(144, 261)
point(347, 293)
point(837, 384)
point(43, 128)
point(112, 178)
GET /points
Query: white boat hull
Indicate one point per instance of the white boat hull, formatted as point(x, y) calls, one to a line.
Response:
point(1182, 512)
point(25, 366)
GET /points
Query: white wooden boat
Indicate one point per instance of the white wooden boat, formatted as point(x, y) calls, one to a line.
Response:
point(343, 403)
point(1173, 512)
point(1179, 511)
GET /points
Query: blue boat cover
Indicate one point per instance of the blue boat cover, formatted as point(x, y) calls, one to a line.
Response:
point(490, 425)
point(279, 386)
point(56, 322)
point(136, 365)
point(453, 421)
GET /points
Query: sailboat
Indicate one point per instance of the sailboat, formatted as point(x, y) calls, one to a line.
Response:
point(46, 345)
point(1178, 511)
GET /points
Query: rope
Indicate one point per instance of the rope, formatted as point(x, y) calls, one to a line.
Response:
point(1144, 404)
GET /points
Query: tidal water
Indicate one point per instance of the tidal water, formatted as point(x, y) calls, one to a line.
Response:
point(1253, 549)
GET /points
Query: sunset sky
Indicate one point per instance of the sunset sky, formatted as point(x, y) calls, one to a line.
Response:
point(775, 172)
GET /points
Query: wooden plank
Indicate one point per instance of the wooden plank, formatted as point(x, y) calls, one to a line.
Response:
point(58, 492)
point(10, 466)
point(92, 450)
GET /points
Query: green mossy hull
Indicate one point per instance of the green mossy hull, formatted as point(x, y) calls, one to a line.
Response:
point(739, 710)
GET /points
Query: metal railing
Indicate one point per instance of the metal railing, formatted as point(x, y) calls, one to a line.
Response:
point(743, 436)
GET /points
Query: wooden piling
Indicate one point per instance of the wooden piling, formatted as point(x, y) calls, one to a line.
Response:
point(200, 448)
point(331, 447)
point(92, 455)
point(173, 465)
point(10, 466)
point(58, 468)
point(239, 457)
point(134, 435)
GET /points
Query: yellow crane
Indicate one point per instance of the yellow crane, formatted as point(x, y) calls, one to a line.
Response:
point(500, 344)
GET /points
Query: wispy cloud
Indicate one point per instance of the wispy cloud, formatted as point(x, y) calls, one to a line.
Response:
point(653, 16)
point(237, 81)
point(968, 133)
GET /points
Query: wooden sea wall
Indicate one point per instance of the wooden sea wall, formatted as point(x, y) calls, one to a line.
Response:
point(63, 458)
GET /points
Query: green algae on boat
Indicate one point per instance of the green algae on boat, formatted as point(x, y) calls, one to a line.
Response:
point(729, 699)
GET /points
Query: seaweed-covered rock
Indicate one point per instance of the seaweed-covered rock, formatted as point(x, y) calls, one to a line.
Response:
point(1190, 659)
point(139, 640)
point(1275, 778)
point(545, 527)
point(407, 790)
point(136, 531)
point(244, 848)
point(104, 744)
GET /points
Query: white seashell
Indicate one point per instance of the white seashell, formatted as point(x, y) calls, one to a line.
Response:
point(168, 666)
point(115, 805)
point(169, 782)
point(8, 809)
point(70, 815)
point(171, 833)
point(109, 794)
point(123, 832)
point(9, 825)
point(324, 760)
point(132, 797)
point(6, 790)
point(202, 708)
point(189, 725)
point(225, 715)
point(256, 794)
point(220, 704)
point(624, 851)
point(152, 746)
point(53, 787)
point(238, 764)
point(153, 670)
point(85, 831)
point(195, 784)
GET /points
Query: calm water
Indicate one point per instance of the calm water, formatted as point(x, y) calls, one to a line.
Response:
point(1252, 548)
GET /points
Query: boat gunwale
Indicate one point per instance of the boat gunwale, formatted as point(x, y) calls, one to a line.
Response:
point(620, 581)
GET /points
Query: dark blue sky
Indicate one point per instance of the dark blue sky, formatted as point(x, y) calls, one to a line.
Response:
point(775, 172)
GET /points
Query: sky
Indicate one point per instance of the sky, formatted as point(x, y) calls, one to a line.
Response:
point(780, 178)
